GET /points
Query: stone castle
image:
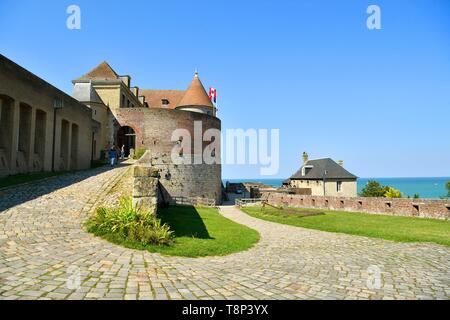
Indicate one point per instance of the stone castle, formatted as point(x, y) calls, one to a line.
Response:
point(44, 129)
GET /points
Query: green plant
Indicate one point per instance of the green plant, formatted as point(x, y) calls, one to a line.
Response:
point(194, 231)
point(392, 193)
point(139, 153)
point(130, 223)
point(447, 185)
point(373, 189)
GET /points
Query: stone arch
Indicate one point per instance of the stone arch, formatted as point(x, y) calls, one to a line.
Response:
point(6, 133)
point(126, 135)
point(64, 145)
point(74, 147)
point(24, 141)
point(40, 130)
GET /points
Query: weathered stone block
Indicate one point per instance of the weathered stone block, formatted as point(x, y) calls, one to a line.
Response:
point(149, 203)
point(145, 187)
point(143, 171)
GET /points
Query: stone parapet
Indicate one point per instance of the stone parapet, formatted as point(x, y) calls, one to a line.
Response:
point(146, 187)
point(425, 208)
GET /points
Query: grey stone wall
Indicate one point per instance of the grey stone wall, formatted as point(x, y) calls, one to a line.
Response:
point(26, 121)
point(197, 180)
point(181, 180)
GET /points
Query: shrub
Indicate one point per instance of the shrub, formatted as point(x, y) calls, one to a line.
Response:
point(373, 189)
point(447, 185)
point(129, 223)
point(138, 154)
point(393, 193)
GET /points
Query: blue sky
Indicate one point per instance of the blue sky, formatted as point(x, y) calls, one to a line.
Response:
point(379, 99)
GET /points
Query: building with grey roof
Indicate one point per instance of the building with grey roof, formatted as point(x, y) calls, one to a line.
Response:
point(323, 177)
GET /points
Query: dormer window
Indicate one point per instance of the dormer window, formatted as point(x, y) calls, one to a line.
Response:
point(306, 170)
point(165, 102)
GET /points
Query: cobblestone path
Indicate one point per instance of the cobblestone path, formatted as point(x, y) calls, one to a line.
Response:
point(45, 254)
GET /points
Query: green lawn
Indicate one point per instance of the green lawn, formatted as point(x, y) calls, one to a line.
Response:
point(402, 229)
point(199, 232)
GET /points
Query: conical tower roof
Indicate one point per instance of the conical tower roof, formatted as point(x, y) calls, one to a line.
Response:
point(195, 95)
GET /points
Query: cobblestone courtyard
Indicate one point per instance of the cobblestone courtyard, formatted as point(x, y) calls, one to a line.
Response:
point(43, 247)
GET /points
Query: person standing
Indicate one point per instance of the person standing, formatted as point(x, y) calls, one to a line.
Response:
point(112, 154)
point(122, 152)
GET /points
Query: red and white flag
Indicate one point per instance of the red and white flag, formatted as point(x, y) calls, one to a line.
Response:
point(213, 95)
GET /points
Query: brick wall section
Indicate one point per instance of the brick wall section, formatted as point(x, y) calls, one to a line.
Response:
point(154, 126)
point(426, 208)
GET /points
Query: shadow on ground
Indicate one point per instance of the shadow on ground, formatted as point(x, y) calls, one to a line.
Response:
point(16, 195)
point(185, 221)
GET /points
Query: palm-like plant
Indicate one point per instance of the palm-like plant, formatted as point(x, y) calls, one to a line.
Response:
point(134, 223)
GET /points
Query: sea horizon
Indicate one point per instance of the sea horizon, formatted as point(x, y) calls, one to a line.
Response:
point(425, 187)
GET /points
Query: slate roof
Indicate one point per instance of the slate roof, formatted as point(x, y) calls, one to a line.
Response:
point(84, 92)
point(319, 166)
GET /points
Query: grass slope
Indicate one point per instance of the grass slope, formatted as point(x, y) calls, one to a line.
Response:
point(395, 228)
point(199, 232)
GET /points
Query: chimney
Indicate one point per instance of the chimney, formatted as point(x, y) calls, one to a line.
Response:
point(126, 80)
point(305, 157)
point(341, 163)
point(135, 91)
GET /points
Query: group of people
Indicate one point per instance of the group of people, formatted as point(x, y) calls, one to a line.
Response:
point(114, 153)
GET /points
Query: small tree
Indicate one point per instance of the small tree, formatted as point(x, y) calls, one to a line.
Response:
point(373, 189)
point(447, 185)
point(393, 193)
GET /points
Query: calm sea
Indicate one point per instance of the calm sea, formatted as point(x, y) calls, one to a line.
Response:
point(432, 188)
